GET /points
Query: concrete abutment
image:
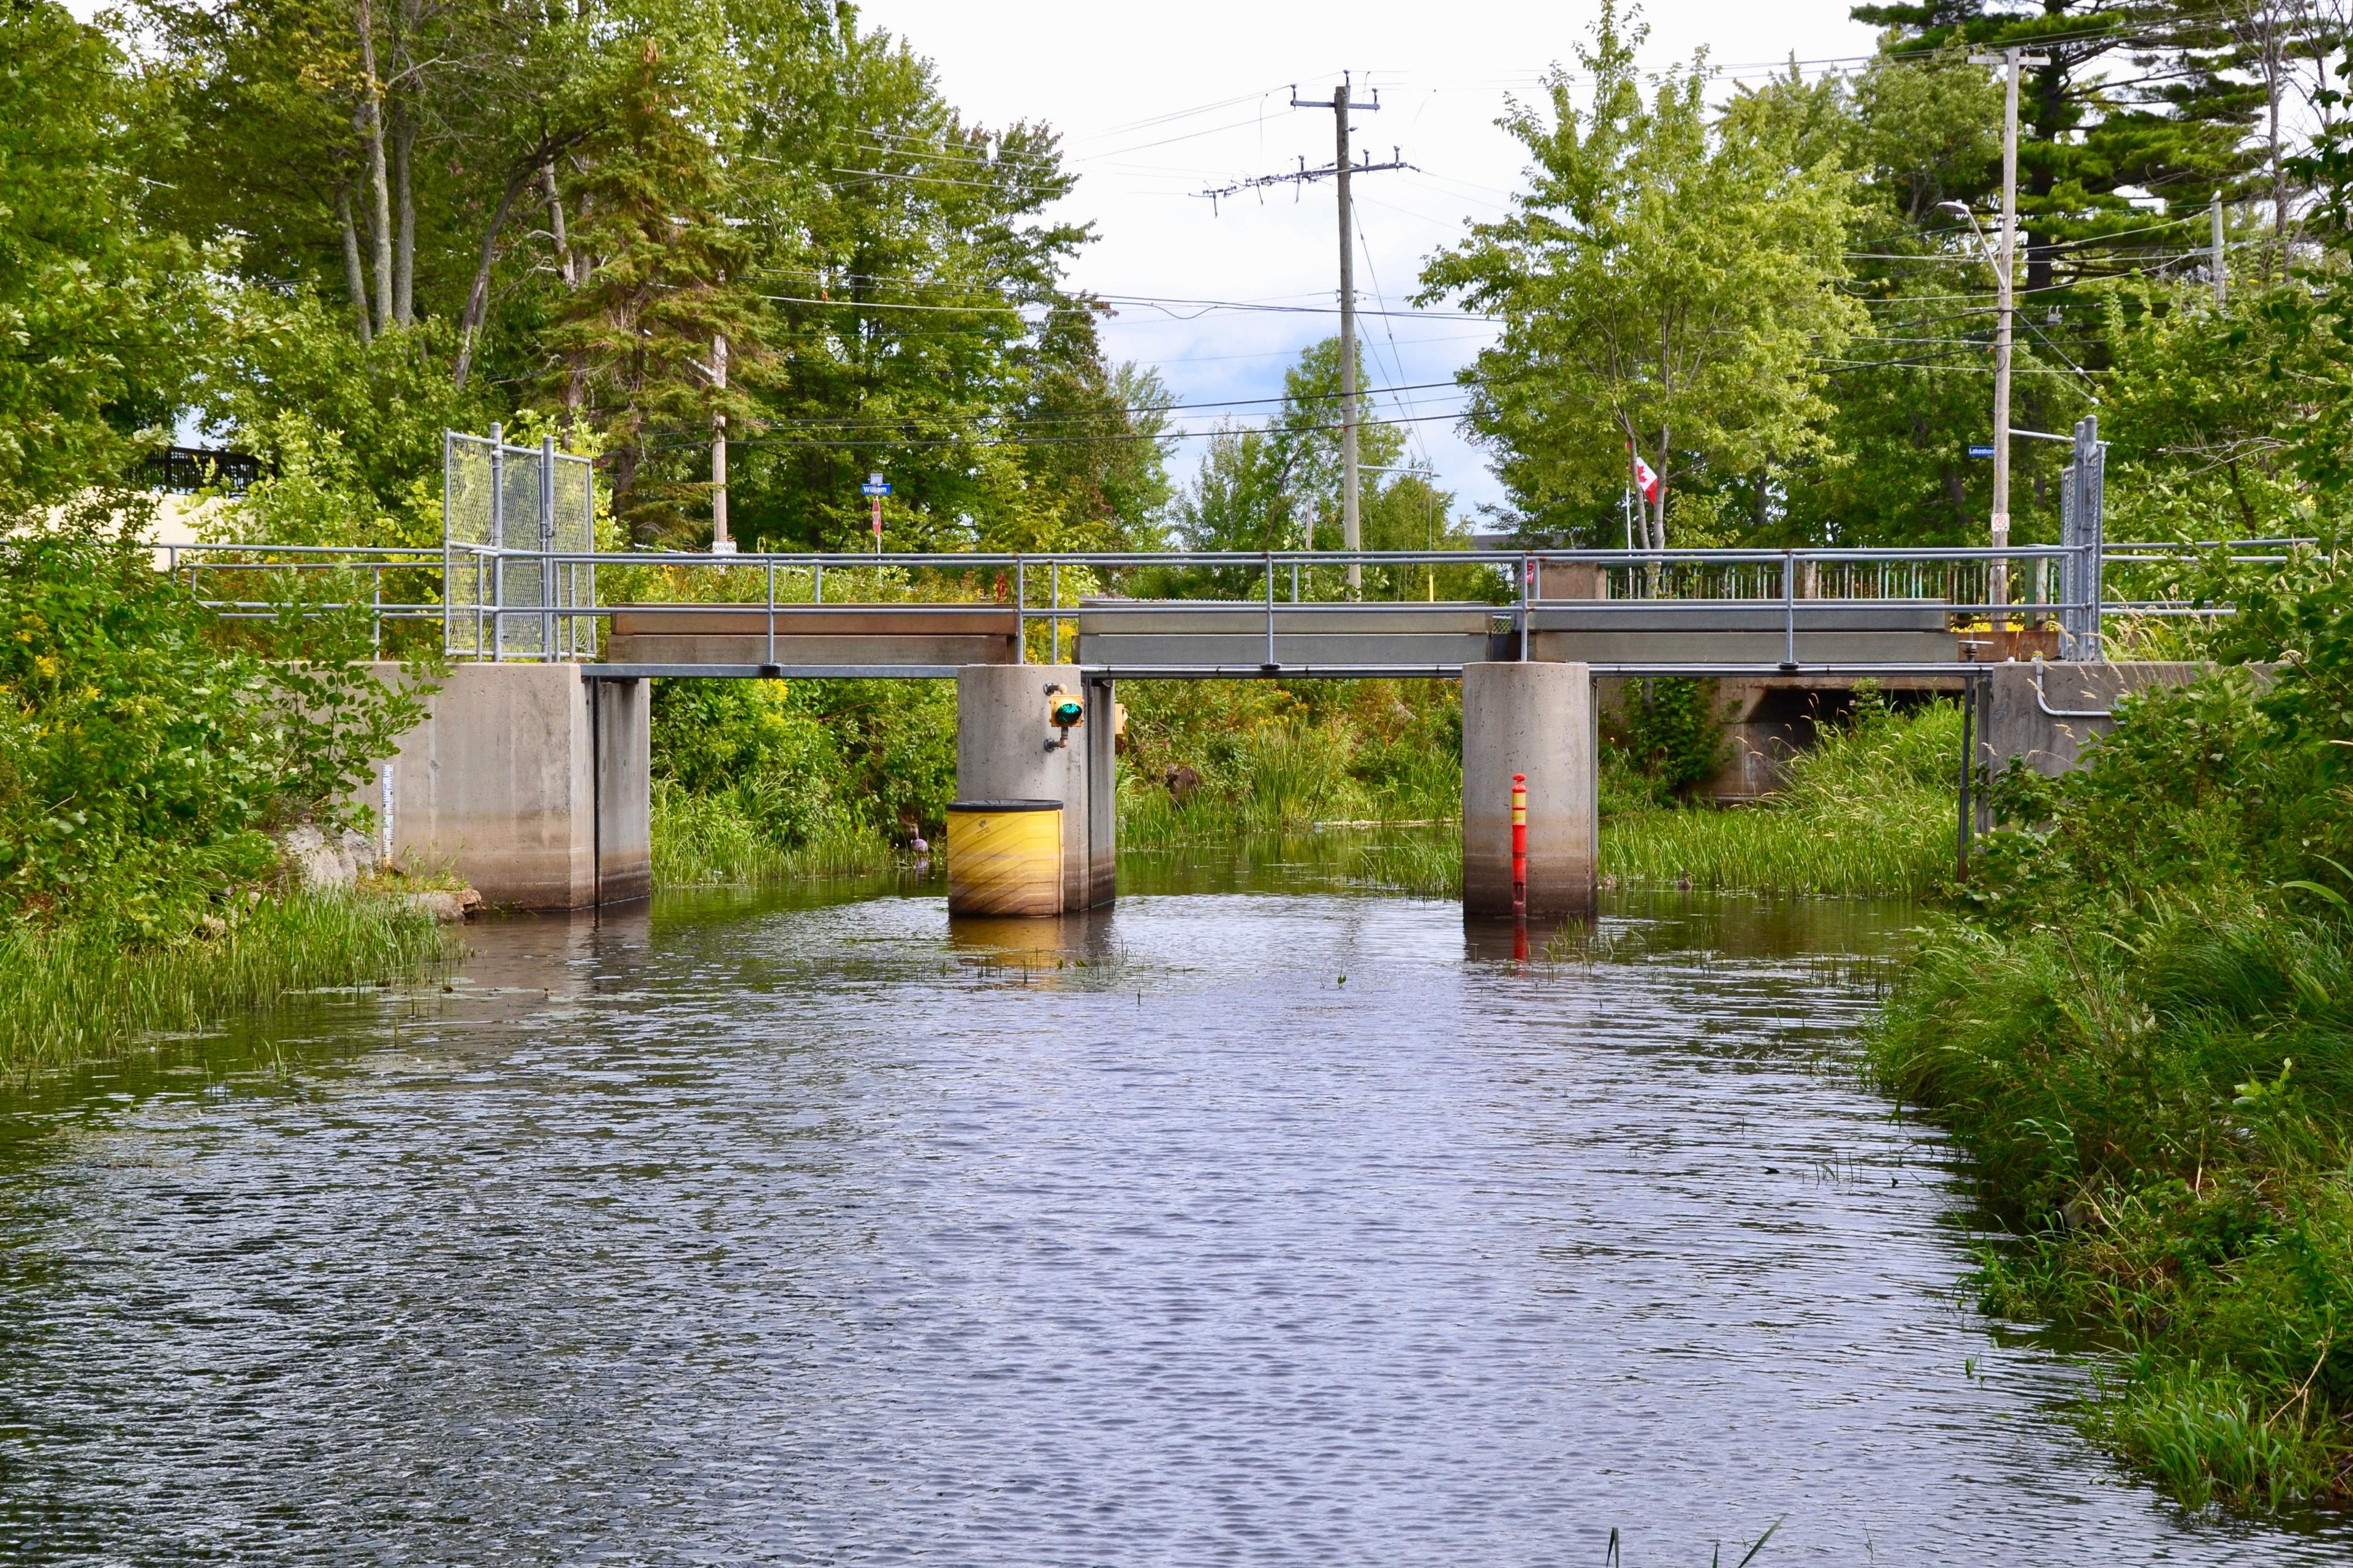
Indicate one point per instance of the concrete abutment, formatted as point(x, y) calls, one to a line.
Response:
point(529, 782)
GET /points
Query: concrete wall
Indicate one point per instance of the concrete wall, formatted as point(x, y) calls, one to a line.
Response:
point(1001, 735)
point(623, 734)
point(2051, 724)
point(527, 781)
point(1536, 720)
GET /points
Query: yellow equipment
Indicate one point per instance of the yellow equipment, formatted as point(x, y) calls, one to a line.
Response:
point(1005, 858)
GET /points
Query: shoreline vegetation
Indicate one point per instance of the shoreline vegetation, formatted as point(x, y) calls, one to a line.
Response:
point(72, 993)
point(152, 757)
point(2139, 1022)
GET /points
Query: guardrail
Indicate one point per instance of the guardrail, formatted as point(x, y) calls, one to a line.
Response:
point(2014, 586)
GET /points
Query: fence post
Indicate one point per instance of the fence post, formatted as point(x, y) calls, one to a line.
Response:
point(2094, 508)
point(547, 549)
point(498, 542)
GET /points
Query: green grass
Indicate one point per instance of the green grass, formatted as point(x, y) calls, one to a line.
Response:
point(707, 840)
point(1870, 811)
point(78, 991)
point(2164, 1126)
point(2213, 1434)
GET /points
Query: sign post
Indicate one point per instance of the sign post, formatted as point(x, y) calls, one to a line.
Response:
point(875, 488)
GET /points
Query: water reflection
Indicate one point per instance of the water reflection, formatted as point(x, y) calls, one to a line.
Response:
point(1243, 1224)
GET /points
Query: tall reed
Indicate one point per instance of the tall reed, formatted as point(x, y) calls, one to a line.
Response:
point(79, 990)
point(1870, 809)
point(701, 840)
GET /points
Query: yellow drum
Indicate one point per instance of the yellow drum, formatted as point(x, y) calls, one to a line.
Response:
point(1005, 858)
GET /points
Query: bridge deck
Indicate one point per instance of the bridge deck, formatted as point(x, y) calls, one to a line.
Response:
point(1179, 639)
point(910, 639)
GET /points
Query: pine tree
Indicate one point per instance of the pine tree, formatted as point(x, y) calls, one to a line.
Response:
point(660, 270)
point(2134, 96)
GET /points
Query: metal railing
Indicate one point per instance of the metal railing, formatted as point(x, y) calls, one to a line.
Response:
point(2025, 587)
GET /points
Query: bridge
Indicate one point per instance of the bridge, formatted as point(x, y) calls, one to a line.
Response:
point(531, 774)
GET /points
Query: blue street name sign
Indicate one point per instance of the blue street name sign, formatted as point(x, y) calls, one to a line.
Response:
point(874, 488)
point(1980, 451)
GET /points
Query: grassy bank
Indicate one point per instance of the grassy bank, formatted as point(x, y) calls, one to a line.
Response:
point(1869, 810)
point(2140, 1024)
point(79, 990)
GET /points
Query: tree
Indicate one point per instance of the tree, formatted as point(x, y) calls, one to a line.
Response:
point(1665, 286)
point(2135, 96)
point(635, 339)
point(93, 306)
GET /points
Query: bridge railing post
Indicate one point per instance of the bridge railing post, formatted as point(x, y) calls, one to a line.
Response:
point(1789, 609)
point(1528, 577)
point(1271, 660)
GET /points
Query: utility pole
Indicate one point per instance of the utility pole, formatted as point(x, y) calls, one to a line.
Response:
point(2215, 210)
point(1342, 104)
point(1351, 530)
point(2005, 275)
point(722, 544)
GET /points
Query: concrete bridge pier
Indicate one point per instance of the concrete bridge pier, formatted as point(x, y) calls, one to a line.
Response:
point(1535, 719)
point(528, 781)
point(1004, 752)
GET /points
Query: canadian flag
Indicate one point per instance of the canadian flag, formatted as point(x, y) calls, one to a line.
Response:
point(1645, 480)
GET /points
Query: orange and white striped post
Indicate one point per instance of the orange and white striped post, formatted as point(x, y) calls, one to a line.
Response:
point(1519, 846)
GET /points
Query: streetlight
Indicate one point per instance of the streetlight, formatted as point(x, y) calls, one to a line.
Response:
point(1998, 571)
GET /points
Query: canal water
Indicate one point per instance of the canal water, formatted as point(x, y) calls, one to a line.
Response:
point(1248, 1223)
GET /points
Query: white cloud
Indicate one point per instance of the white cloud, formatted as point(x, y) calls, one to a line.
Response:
point(1157, 102)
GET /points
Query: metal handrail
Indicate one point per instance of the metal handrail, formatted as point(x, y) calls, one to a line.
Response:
point(1651, 570)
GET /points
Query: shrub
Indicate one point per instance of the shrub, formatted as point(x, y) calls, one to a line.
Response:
point(147, 747)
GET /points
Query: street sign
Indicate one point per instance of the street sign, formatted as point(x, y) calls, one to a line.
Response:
point(1980, 451)
point(874, 485)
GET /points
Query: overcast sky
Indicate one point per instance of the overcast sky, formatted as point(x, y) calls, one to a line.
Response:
point(1157, 102)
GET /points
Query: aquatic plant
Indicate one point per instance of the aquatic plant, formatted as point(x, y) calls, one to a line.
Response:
point(1870, 809)
point(79, 989)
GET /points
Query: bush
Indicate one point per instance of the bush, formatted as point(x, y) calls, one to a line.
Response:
point(1669, 731)
point(766, 780)
point(147, 747)
point(1214, 759)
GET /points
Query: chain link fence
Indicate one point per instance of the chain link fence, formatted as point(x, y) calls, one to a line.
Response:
point(507, 512)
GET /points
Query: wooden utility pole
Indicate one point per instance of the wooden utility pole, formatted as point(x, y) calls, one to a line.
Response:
point(1342, 104)
point(2005, 307)
point(722, 542)
point(1352, 537)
